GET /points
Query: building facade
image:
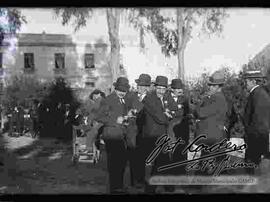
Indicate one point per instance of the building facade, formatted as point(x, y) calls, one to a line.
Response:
point(47, 56)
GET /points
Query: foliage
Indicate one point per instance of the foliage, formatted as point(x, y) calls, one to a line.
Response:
point(148, 20)
point(21, 88)
point(209, 20)
point(14, 20)
point(80, 14)
point(53, 120)
point(60, 92)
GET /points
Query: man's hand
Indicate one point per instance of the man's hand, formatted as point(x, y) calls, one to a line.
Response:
point(120, 120)
point(168, 114)
point(131, 112)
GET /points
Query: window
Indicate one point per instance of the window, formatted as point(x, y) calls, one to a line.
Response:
point(1, 60)
point(90, 84)
point(89, 60)
point(29, 60)
point(59, 60)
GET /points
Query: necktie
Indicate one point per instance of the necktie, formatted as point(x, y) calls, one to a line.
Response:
point(141, 96)
point(122, 101)
point(162, 102)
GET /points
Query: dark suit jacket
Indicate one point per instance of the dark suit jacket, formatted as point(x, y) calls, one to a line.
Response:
point(212, 116)
point(132, 129)
point(137, 125)
point(132, 101)
point(110, 109)
point(257, 119)
point(180, 109)
point(155, 121)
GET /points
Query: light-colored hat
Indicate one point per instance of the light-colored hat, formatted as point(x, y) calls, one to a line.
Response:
point(253, 74)
point(217, 78)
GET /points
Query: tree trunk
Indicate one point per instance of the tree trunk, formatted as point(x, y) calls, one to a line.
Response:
point(142, 44)
point(113, 20)
point(181, 67)
point(181, 47)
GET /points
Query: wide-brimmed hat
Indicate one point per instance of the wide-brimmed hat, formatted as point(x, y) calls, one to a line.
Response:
point(217, 78)
point(143, 80)
point(122, 84)
point(177, 84)
point(253, 74)
point(161, 81)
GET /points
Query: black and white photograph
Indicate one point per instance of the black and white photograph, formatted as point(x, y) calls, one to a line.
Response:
point(134, 100)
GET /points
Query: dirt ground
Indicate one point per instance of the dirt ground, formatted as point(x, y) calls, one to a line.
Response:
point(44, 166)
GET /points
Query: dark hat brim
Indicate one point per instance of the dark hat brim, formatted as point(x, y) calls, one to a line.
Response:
point(176, 87)
point(215, 83)
point(123, 88)
point(142, 83)
point(159, 84)
point(254, 77)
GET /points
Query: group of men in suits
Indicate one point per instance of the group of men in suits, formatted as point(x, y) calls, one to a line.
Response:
point(133, 122)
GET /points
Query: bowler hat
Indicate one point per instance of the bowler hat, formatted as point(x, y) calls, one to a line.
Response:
point(161, 81)
point(177, 84)
point(121, 84)
point(144, 80)
point(253, 74)
point(217, 78)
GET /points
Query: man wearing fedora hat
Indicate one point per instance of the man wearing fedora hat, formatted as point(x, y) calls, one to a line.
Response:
point(111, 114)
point(136, 100)
point(155, 125)
point(257, 118)
point(211, 115)
point(143, 85)
point(179, 106)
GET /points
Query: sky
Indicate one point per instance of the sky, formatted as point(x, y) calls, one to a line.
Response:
point(246, 32)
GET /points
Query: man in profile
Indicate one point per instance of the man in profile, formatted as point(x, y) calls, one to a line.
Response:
point(257, 118)
point(211, 114)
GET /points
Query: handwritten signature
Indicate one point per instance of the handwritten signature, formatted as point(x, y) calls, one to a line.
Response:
point(166, 145)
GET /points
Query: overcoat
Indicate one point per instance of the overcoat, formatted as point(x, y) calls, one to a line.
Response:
point(257, 123)
point(156, 121)
point(212, 117)
point(110, 109)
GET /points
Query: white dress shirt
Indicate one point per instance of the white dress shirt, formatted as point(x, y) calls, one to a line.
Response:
point(174, 97)
point(122, 101)
point(141, 96)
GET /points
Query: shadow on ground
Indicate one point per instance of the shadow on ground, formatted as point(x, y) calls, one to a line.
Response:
point(44, 166)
